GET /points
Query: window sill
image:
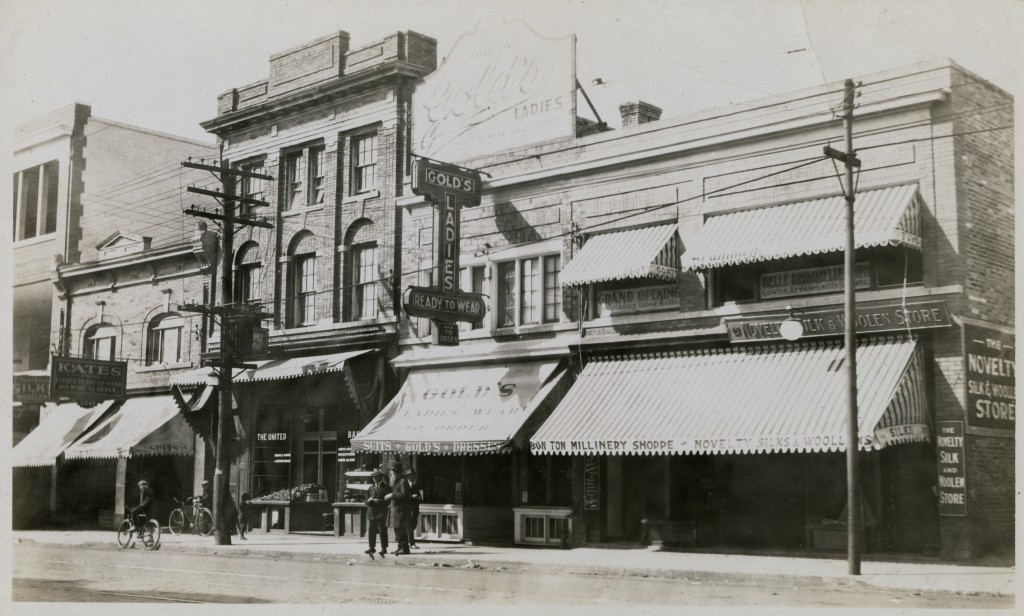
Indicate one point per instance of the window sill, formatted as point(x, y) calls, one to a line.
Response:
point(39, 239)
point(163, 367)
point(306, 209)
point(363, 196)
point(533, 329)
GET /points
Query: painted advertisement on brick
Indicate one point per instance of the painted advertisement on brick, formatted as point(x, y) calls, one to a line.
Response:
point(503, 86)
point(991, 372)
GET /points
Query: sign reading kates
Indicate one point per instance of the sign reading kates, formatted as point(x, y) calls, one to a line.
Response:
point(949, 446)
point(920, 315)
point(991, 378)
point(87, 379)
point(501, 84)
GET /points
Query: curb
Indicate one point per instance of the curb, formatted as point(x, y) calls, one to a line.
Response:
point(454, 561)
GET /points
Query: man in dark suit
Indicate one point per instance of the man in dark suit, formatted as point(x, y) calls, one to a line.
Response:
point(402, 507)
point(377, 513)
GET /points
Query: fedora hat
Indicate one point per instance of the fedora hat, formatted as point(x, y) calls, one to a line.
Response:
point(396, 466)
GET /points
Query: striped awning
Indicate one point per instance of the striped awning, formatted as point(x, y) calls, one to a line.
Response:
point(751, 399)
point(273, 369)
point(647, 252)
point(882, 217)
point(64, 423)
point(464, 409)
point(144, 426)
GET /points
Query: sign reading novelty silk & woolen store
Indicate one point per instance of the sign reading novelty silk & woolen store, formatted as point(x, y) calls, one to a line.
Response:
point(502, 86)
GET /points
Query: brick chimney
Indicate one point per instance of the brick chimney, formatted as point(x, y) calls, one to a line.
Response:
point(637, 113)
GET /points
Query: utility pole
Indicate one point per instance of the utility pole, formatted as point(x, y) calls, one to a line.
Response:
point(232, 320)
point(853, 492)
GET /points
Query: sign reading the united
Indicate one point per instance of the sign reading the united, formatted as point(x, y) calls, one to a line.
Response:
point(433, 303)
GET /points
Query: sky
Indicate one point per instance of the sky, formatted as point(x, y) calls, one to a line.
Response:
point(161, 65)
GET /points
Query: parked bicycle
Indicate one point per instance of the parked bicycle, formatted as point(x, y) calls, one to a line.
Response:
point(137, 526)
point(193, 516)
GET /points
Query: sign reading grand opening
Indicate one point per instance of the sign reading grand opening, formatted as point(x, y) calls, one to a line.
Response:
point(88, 379)
point(991, 375)
point(949, 447)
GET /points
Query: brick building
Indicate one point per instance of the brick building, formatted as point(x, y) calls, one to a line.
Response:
point(329, 124)
point(629, 381)
point(101, 255)
point(654, 266)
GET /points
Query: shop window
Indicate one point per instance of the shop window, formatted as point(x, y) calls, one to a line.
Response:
point(100, 342)
point(529, 291)
point(364, 163)
point(895, 267)
point(164, 344)
point(271, 452)
point(548, 480)
point(35, 197)
point(364, 282)
point(249, 274)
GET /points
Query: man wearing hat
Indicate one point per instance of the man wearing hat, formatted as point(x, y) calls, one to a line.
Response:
point(205, 499)
point(141, 513)
point(377, 513)
point(403, 501)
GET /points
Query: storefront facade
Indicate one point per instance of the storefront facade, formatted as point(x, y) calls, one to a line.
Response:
point(692, 239)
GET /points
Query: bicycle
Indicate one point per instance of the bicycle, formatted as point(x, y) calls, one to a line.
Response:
point(197, 517)
point(148, 532)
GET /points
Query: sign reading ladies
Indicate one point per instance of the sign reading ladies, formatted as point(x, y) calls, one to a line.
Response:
point(502, 86)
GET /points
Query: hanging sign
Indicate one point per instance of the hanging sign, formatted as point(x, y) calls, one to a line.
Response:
point(991, 378)
point(431, 303)
point(446, 334)
point(87, 379)
point(949, 447)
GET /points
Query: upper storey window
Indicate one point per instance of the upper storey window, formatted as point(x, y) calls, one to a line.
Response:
point(529, 291)
point(304, 177)
point(364, 163)
point(35, 200)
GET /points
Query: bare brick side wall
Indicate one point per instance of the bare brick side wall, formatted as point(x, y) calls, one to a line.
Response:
point(985, 193)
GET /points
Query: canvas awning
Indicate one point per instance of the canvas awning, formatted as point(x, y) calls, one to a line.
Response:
point(274, 369)
point(882, 217)
point(63, 423)
point(144, 426)
point(646, 252)
point(464, 410)
point(751, 399)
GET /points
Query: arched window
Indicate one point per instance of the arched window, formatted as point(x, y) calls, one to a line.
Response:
point(164, 342)
point(248, 274)
point(100, 342)
point(302, 284)
point(363, 271)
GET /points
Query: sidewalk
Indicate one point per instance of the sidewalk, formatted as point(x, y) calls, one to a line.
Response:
point(735, 568)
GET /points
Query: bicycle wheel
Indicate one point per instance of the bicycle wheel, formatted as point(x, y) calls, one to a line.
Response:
point(204, 522)
point(176, 522)
point(151, 534)
point(126, 534)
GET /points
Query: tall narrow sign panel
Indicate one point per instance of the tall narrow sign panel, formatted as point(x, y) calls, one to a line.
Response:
point(949, 446)
point(502, 86)
point(991, 378)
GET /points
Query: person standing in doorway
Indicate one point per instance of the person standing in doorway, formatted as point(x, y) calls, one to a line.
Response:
point(402, 501)
point(410, 476)
point(377, 513)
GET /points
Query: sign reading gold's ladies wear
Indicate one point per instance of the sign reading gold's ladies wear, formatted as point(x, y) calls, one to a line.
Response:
point(991, 378)
point(502, 86)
